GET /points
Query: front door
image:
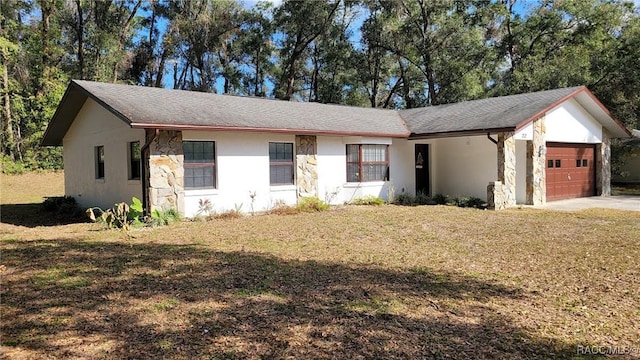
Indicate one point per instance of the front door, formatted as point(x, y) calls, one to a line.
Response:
point(422, 169)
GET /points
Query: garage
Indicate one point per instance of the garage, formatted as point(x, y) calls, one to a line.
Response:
point(570, 171)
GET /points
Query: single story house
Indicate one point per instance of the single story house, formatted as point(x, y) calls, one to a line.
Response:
point(630, 169)
point(176, 148)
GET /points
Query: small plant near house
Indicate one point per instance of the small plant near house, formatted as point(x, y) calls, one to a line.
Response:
point(391, 192)
point(471, 202)
point(136, 211)
point(441, 199)
point(234, 213)
point(205, 207)
point(120, 216)
point(116, 217)
point(368, 200)
point(281, 208)
point(423, 199)
point(329, 196)
point(252, 195)
point(312, 204)
point(164, 217)
point(405, 199)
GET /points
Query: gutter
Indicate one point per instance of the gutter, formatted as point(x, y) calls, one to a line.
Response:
point(145, 166)
point(460, 133)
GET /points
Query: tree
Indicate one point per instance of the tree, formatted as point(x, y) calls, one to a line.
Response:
point(255, 41)
point(202, 36)
point(299, 23)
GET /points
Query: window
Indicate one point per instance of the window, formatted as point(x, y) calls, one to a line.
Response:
point(134, 160)
point(585, 162)
point(578, 163)
point(199, 164)
point(367, 163)
point(558, 163)
point(99, 156)
point(281, 163)
point(549, 163)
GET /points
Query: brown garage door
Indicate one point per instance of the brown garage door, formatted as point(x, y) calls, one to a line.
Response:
point(571, 170)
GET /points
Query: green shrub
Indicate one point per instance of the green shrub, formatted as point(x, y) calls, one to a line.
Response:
point(312, 204)
point(440, 199)
point(54, 203)
point(62, 205)
point(164, 217)
point(424, 199)
point(470, 201)
point(405, 199)
point(368, 200)
point(12, 167)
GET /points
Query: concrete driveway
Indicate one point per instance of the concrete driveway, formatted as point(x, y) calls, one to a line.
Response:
point(620, 202)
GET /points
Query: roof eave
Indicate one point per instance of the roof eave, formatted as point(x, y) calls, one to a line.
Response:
point(449, 134)
point(608, 113)
point(541, 113)
point(266, 130)
point(573, 94)
point(63, 111)
point(72, 102)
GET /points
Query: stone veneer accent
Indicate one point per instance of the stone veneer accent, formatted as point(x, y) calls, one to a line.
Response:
point(603, 165)
point(306, 166)
point(495, 196)
point(536, 157)
point(166, 172)
point(507, 166)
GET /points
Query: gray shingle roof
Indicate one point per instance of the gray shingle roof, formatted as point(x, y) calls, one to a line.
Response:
point(157, 106)
point(493, 113)
point(146, 107)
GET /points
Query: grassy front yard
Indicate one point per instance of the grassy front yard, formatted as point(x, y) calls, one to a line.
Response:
point(353, 282)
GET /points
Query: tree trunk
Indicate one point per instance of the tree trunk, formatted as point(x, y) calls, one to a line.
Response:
point(46, 51)
point(123, 35)
point(80, 36)
point(8, 122)
point(257, 90)
point(163, 59)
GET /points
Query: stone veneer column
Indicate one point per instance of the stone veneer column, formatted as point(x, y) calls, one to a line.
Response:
point(507, 166)
point(495, 196)
point(306, 166)
point(603, 165)
point(536, 156)
point(166, 172)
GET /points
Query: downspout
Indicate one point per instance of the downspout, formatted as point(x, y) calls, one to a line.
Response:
point(145, 166)
point(492, 139)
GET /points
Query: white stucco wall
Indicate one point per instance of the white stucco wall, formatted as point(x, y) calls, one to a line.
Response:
point(95, 126)
point(242, 167)
point(521, 171)
point(464, 166)
point(242, 161)
point(570, 122)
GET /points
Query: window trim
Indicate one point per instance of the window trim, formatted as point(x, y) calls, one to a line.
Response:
point(361, 163)
point(213, 163)
point(282, 163)
point(99, 163)
point(131, 166)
